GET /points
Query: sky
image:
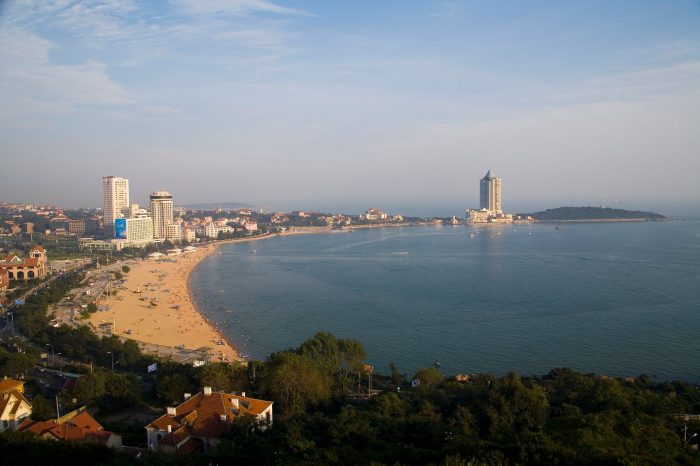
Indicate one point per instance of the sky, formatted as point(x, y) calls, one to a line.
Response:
point(344, 105)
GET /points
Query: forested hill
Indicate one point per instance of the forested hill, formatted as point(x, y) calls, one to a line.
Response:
point(593, 213)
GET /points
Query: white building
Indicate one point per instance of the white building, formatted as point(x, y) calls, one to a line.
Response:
point(14, 407)
point(490, 210)
point(115, 197)
point(211, 230)
point(173, 232)
point(161, 213)
point(201, 421)
point(139, 230)
point(490, 193)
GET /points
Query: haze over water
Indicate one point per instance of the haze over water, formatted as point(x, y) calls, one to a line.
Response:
point(613, 298)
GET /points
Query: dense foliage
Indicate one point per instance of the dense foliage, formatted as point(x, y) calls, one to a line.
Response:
point(592, 213)
point(75, 343)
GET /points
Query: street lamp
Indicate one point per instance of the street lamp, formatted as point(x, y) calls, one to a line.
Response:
point(60, 368)
point(111, 354)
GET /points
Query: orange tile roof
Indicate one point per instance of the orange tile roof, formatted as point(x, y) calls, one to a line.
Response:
point(192, 445)
point(79, 427)
point(201, 414)
point(87, 422)
point(10, 384)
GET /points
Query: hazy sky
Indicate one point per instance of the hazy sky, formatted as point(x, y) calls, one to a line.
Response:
point(335, 105)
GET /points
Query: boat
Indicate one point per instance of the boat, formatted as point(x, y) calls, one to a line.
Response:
point(254, 251)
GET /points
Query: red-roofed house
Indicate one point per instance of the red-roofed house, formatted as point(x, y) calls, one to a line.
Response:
point(74, 426)
point(198, 424)
point(33, 266)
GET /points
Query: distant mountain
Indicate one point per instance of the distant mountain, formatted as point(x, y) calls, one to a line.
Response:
point(593, 213)
point(219, 205)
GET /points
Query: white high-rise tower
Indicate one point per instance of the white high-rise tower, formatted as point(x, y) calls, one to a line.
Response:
point(161, 213)
point(115, 196)
point(490, 193)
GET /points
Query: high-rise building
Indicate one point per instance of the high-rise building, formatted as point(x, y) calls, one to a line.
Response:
point(161, 213)
point(115, 192)
point(490, 193)
point(139, 230)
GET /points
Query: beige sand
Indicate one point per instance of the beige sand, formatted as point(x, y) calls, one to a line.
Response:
point(166, 285)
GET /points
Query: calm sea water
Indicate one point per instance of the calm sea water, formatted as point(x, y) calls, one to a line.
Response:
point(613, 298)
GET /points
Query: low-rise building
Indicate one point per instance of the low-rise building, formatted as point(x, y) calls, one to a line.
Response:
point(251, 225)
point(77, 425)
point(211, 230)
point(95, 245)
point(198, 424)
point(375, 215)
point(14, 407)
point(173, 232)
point(28, 268)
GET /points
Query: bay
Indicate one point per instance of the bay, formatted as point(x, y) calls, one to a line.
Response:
point(612, 298)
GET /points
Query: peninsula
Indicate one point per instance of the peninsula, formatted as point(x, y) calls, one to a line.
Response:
point(586, 214)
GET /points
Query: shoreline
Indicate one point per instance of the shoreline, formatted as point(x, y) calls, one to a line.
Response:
point(212, 247)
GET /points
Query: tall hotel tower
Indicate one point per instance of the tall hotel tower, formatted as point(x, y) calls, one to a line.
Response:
point(490, 194)
point(115, 196)
point(161, 213)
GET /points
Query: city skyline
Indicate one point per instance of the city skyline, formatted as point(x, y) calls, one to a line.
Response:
point(341, 106)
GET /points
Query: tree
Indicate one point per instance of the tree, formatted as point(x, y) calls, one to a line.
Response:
point(222, 376)
point(16, 364)
point(118, 275)
point(92, 308)
point(126, 269)
point(295, 382)
point(429, 377)
point(397, 377)
point(352, 357)
point(91, 388)
point(323, 350)
point(172, 388)
point(41, 410)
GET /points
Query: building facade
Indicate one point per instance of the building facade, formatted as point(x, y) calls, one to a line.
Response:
point(139, 230)
point(490, 193)
point(76, 426)
point(18, 268)
point(198, 424)
point(14, 407)
point(161, 213)
point(115, 193)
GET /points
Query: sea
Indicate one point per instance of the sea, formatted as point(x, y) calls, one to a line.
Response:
point(619, 299)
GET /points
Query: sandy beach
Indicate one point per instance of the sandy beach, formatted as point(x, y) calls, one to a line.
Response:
point(155, 307)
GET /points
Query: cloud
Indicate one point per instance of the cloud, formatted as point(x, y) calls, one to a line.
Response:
point(639, 84)
point(30, 84)
point(234, 7)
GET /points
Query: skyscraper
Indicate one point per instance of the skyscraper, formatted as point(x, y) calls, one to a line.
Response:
point(115, 196)
point(490, 193)
point(161, 213)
